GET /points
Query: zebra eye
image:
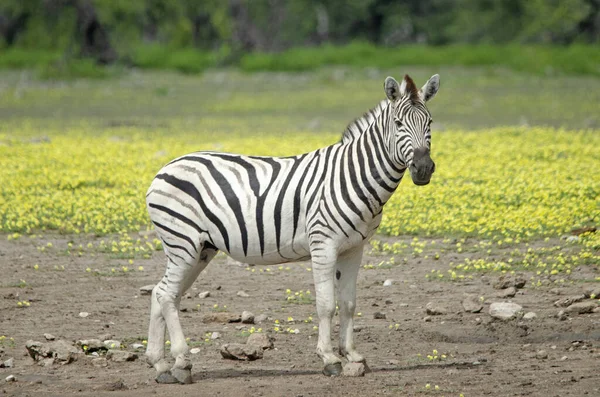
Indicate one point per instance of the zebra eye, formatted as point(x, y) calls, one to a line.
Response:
point(398, 123)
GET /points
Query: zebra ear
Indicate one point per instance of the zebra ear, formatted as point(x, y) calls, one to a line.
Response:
point(430, 88)
point(392, 89)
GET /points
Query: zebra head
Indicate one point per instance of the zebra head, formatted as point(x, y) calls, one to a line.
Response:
point(409, 124)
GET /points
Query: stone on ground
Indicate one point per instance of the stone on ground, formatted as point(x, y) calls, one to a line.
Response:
point(247, 317)
point(354, 369)
point(8, 363)
point(569, 300)
point(508, 292)
point(92, 345)
point(379, 316)
point(541, 355)
point(434, 309)
point(237, 351)
point(120, 356)
point(83, 314)
point(243, 294)
point(504, 310)
point(221, 317)
point(581, 307)
point(204, 294)
point(387, 283)
point(112, 344)
point(10, 378)
point(261, 340)
point(59, 351)
point(49, 337)
point(472, 304)
point(529, 316)
point(138, 346)
point(260, 318)
point(195, 350)
point(215, 335)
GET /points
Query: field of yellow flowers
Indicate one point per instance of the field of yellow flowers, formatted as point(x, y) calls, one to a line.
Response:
point(501, 183)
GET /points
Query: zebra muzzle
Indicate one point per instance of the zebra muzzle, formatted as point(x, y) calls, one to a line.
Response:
point(422, 167)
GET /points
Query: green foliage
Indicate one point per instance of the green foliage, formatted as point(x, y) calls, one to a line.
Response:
point(73, 69)
point(19, 58)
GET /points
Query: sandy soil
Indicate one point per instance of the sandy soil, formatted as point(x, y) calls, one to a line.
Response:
point(484, 357)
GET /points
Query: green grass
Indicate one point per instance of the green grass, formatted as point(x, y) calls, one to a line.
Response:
point(539, 60)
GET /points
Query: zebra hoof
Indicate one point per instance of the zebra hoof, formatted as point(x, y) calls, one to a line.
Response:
point(166, 378)
point(334, 369)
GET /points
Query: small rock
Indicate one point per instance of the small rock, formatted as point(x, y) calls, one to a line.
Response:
point(92, 345)
point(195, 350)
point(504, 310)
point(260, 318)
point(138, 346)
point(563, 358)
point(569, 300)
point(83, 314)
point(508, 292)
point(99, 362)
point(434, 309)
point(520, 282)
point(261, 340)
point(121, 356)
point(204, 294)
point(561, 315)
point(146, 289)
point(221, 317)
point(10, 378)
point(57, 351)
point(581, 307)
point(237, 351)
point(572, 239)
point(386, 283)
point(503, 282)
point(379, 316)
point(8, 363)
point(49, 337)
point(247, 317)
point(529, 316)
point(472, 304)
point(112, 344)
point(427, 319)
point(354, 369)
point(541, 355)
point(215, 335)
point(243, 294)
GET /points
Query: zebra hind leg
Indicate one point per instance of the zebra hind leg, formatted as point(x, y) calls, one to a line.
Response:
point(179, 276)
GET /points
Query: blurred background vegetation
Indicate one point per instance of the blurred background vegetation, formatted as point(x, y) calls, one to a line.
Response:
point(81, 37)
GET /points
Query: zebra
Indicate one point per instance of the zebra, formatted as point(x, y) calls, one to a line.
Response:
point(323, 206)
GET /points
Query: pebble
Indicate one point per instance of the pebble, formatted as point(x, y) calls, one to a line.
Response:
point(561, 315)
point(138, 346)
point(541, 355)
point(504, 310)
point(195, 350)
point(581, 307)
point(10, 378)
point(215, 335)
point(508, 292)
point(354, 369)
point(204, 294)
point(221, 317)
point(92, 344)
point(563, 358)
point(434, 309)
point(243, 294)
point(112, 344)
point(83, 314)
point(261, 340)
point(8, 363)
point(529, 316)
point(260, 318)
point(120, 356)
point(379, 316)
point(427, 319)
point(237, 351)
point(472, 304)
point(247, 317)
point(387, 283)
point(49, 337)
point(146, 289)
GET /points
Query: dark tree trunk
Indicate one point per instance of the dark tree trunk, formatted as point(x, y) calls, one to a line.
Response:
point(11, 27)
point(91, 34)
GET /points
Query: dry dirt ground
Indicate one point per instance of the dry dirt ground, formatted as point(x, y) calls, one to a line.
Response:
point(483, 357)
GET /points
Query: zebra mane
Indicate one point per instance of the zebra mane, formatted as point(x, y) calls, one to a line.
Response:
point(358, 126)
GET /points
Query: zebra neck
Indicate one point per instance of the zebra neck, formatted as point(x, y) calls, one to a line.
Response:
point(368, 157)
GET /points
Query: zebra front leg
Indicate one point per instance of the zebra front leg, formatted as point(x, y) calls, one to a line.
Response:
point(346, 274)
point(323, 274)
